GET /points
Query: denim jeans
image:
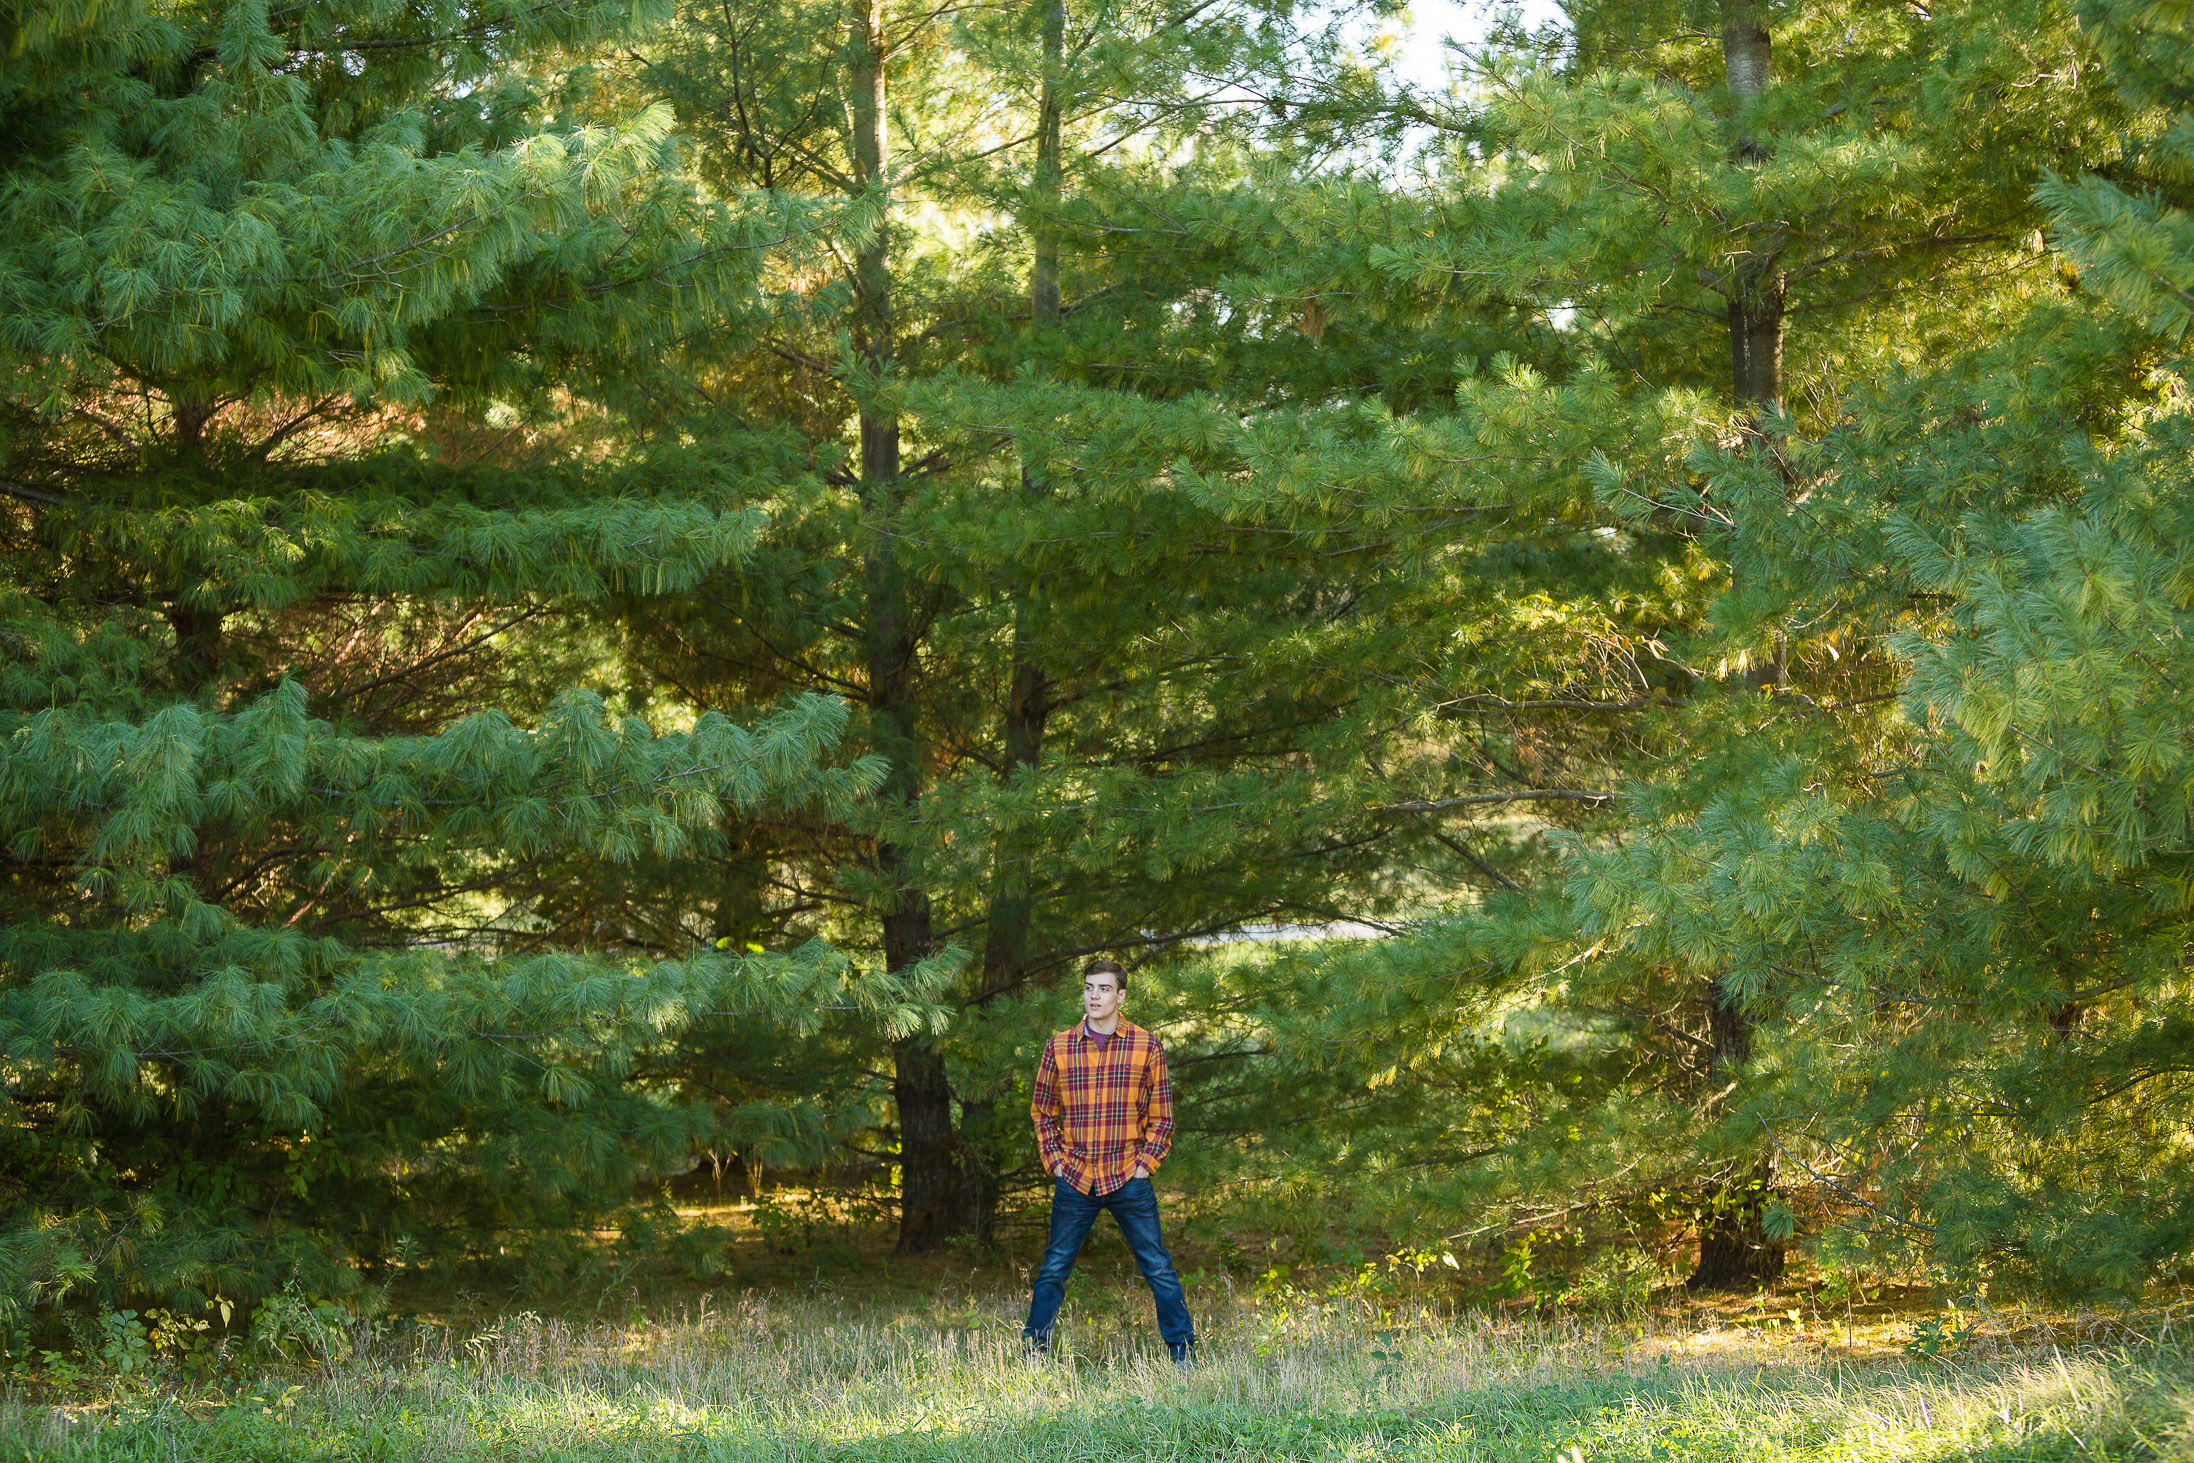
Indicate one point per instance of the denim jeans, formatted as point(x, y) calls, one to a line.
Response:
point(1135, 1207)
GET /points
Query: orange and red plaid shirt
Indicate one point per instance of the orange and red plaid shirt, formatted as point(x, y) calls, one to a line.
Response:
point(1103, 1112)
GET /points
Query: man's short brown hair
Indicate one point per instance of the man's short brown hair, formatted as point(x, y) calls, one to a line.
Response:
point(1105, 966)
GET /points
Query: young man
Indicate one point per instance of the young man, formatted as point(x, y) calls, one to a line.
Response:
point(1104, 1120)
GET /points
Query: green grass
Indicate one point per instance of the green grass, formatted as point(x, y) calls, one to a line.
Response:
point(941, 1381)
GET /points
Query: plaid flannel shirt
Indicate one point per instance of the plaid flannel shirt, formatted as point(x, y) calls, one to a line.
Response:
point(1101, 1114)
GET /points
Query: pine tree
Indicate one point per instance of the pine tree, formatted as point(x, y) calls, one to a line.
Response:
point(279, 757)
point(1072, 775)
point(1686, 233)
point(1970, 890)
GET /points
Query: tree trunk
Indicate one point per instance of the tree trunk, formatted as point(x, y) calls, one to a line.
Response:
point(1756, 333)
point(741, 916)
point(932, 1202)
point(1756, 295)
point(1735, 1252)
point(1734, 1248)
point(929, 1174)
point(1748, 55)
point(932, 1193)
point(1028, 689)
point(1028, 707)
point(197, 628)
point(1005, 944)
point(1043, 276)
point(197, 645)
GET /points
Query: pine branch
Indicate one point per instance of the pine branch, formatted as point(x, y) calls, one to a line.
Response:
point(1496, 703)
point(1542, 794)
point(1178, 1063)
point(1855, 1198)
point(1456, 846)
point(433, 660)
point(28, 493)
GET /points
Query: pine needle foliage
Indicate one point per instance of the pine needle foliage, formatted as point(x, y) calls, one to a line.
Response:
point(1980, 905)
point(1696, 242)
point(1925, 841)
point(1120, 714)
point(281, 771)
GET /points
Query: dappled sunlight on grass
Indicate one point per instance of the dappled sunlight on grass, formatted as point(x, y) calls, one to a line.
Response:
point(792, 1380)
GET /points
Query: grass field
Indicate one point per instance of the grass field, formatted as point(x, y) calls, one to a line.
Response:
point(761, 1376)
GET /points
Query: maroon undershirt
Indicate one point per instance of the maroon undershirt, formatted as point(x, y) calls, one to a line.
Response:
point(1103, 1039)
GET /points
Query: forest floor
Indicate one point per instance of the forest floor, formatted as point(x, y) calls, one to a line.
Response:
point(816, 1348)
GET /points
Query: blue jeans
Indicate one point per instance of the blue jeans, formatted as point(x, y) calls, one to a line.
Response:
point(1135, 1207)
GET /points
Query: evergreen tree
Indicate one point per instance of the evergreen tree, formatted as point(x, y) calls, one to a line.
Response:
point(1685, 234)
point(270, 279)
point(1965, 900)
point(1072, 773)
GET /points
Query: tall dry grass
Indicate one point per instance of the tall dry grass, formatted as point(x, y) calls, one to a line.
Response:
point(755, 1377)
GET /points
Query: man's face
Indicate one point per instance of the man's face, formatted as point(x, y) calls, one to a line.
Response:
point(1101, 995)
